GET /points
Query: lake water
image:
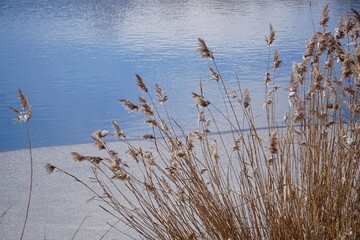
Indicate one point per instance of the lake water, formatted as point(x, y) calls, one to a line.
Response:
point(75, 59)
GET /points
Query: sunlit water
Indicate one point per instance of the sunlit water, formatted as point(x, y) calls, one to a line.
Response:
point(75, 59)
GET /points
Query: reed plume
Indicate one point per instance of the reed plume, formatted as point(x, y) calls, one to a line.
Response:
point(269, 40)
point(325, 16)
point(162, 96)
point(214, 76)
point(246, 98)
point(203, 50)
point(140, 83)
point(276, 61)
point(117, 131)
point(129, 105)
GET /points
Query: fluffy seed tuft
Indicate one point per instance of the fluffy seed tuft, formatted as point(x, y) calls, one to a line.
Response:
point(49, 168)
point(203, 50)
point(269, 40)
point(273, 146)
point(324, 16)
point(117, 131)
point(129, 105)
point(246, 98)
point(140, 83)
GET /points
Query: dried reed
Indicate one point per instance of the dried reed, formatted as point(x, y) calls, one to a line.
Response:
point(24, 116)
point(297, 182)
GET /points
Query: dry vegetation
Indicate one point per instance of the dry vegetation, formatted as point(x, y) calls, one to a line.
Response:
point(301, 181)
point(24, 115)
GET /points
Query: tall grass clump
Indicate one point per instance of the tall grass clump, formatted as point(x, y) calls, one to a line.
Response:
point(299, 181)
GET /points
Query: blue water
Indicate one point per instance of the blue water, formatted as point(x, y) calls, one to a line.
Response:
point(75, 59)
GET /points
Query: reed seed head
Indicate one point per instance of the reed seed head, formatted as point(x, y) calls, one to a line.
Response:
point(232, 95)
point(49, 168)
point(78, 157)
point(123, 177)
point(300, 69)
point(140, 83)
point(203, 50)
point(236, 146)
point(213, 152)
point(14, 110)
point(324, 16)
point(246, 98)
point(23, 100)
point(357, 15)
point(163, 125)
point(214, 76)
point(117, 131)
point(267, 78)
point(273, 146)
point(133, 154)
point(200, 101)
point(267, 102)
point(113, 164)
point(25, 114)
point(145, 107)
point(269, 40)
point(311, 46)
point(299, 114)
point(198, 135)
point(276, 61)
point(162, 96)
point(151, 122)
point(339, 32)
point(317, 82)
point(100, 133)
point(94, 160)
point(201, 117)
point(181, 154)
point(349, 25)
point(99, 143)
point(347, 67)
point(189, 142)
point(323, 41)
point(172, 143)
point(129, 105)
point(149, 158)
point(148, 136)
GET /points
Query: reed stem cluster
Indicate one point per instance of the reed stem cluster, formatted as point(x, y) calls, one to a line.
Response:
point(300, 181)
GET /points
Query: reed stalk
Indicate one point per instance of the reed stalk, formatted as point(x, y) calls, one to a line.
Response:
point(24, 116)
